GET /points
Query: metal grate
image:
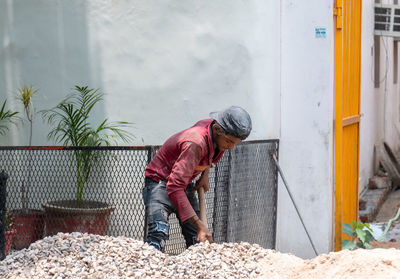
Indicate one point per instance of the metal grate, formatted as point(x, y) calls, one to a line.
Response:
point(241, 203)
point(387, 20)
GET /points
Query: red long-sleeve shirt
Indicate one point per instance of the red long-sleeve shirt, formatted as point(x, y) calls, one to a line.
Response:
point(181, 158)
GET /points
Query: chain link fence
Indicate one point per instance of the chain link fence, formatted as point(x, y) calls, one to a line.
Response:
point(44, 181)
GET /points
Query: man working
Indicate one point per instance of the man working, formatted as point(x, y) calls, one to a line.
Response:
point(168, 188)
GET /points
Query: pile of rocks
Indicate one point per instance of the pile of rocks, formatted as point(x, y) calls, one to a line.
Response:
point(79, 255)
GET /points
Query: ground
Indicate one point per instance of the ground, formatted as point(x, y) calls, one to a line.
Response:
point(387, 212)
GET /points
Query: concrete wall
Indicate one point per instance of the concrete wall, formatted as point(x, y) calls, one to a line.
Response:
point(371, 123)
point(166, 64)
point(306, 127)
point(380, 104)
point(163, 65)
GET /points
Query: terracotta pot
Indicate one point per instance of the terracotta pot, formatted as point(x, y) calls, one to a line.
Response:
point(29, 226)
point(10, 234)
point(71, 216)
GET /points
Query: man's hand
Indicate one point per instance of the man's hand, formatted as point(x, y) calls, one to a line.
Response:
point(203, 233)
point(203, 181)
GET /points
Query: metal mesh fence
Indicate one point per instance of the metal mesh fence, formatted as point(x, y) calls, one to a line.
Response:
point(42, 181)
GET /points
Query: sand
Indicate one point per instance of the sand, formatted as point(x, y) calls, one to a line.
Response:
point(372, 263)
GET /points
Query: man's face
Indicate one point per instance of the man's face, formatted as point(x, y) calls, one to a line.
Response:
point(226, 141)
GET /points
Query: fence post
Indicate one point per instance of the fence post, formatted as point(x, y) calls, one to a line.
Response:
point(3, 181)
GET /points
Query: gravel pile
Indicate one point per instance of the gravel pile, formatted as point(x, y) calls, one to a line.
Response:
point(88, 256)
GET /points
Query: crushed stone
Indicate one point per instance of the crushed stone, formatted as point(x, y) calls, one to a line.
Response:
point(87, 256)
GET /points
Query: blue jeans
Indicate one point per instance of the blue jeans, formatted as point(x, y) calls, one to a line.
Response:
point(158, 209)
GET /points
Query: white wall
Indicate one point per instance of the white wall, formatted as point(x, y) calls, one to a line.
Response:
point(163, 64)
point(371, 124)
point(306, 127)
point(379, 106)
point(166, 64)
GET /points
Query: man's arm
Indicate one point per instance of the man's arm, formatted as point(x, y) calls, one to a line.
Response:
point(203, 233)
point(203, 181)
point(181, 173)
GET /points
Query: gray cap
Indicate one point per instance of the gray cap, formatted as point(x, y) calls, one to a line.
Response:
point(235, 121)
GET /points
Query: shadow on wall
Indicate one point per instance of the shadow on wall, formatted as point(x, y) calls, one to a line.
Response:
point(45, 44)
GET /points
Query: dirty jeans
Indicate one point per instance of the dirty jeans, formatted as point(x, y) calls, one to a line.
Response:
point(158, 209)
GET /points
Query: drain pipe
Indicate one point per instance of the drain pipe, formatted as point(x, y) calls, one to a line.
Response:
point(295, 206)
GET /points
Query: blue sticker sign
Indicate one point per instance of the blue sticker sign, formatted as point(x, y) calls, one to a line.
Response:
point(320, 32)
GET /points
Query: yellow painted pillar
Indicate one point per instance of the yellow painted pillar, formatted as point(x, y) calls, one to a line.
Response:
point(347, 112)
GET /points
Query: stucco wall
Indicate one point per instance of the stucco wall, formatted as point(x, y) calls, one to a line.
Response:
point(306, 127)
point(166, 64)
point(163, 65)
point(379, 104)
point(371, 124)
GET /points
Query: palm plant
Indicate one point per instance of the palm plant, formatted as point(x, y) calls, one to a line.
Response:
point(6, 117)
point(25, 95)
point(70, 126)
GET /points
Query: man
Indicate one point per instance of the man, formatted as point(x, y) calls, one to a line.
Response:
point(168, 188)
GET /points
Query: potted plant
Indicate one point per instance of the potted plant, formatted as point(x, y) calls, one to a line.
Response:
point(10, 233)
point(7, 117)
point(70, 126)
point(28, 222)
point(361, 234)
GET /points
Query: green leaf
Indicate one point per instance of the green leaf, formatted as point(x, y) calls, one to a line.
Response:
point(348, 229)
point(7, 117)
point(368, 226)
point(358, 225)
point(70, 125)
point(346, 244)
point(369, 237)
point(361, 234)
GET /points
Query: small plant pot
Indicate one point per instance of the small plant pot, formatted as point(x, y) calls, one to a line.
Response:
point(29, 226)
point(72, 216)
point(10, 234)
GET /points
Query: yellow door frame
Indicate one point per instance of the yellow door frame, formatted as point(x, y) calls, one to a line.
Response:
point(347, 112)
